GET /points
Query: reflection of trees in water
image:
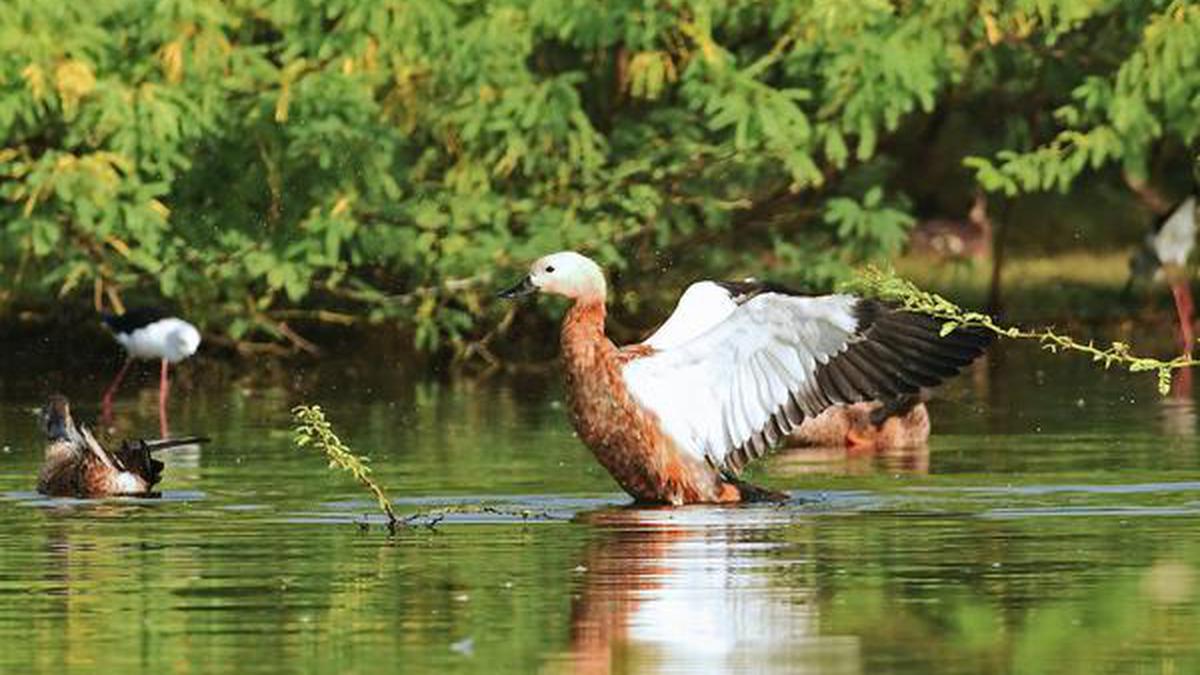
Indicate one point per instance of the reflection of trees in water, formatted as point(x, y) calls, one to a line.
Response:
point(91, 594)
point(715, 590)
point(697, 590)
point(1036, 595)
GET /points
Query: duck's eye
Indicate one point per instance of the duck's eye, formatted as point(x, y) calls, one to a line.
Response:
point(549, 269)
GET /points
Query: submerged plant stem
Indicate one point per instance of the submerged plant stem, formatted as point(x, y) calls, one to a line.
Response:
point(886, 285)
point(313, 430)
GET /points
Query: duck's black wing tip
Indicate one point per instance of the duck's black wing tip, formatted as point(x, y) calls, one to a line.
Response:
point(895, 353)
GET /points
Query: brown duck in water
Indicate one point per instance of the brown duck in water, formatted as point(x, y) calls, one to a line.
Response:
point(76, 465)
point(867, 426)
point(734, 370)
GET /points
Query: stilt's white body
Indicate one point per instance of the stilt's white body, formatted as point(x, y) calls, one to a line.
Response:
point(171, 339)
point(1173, 242)
point(167, 340)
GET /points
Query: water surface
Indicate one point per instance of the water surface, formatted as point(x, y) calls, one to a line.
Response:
point(1052, 525)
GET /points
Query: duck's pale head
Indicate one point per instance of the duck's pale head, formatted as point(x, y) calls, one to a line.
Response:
point(565, 273)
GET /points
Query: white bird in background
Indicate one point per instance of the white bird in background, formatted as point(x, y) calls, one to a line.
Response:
point(1163, 256)
point(148, 334)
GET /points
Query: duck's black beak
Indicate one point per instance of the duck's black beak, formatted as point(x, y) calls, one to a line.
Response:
point(523, 288)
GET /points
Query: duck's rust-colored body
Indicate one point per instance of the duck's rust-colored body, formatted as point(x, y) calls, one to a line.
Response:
point(851, 426)
point(627, 439)
point(72, 470)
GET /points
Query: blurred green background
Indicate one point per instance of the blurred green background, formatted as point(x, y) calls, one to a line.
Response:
point(270, 167)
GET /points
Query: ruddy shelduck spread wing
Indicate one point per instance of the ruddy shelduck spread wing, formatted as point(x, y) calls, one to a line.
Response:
point(727, 382)
point(701, 307)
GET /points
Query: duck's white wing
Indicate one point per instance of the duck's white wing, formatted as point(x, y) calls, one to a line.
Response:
point(703, 305)
point(731, 392)
point(93, 446)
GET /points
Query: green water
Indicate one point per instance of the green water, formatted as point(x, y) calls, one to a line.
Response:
point(1053, 525)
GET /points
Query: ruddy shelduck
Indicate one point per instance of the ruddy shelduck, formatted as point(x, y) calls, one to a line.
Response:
point(734, 369)
point(869, 426)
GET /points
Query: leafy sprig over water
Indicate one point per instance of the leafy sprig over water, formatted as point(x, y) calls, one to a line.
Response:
point(886, 285)
point(313, 430)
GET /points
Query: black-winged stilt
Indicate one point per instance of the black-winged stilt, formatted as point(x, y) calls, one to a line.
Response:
point(1163, 256)
point(76, 465)
point(149, 334)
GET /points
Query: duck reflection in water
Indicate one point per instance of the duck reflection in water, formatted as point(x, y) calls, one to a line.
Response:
point(698, 590)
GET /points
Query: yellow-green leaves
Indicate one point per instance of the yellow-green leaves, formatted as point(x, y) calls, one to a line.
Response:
point(1118, 117)
point(870, 224)
point(312, 430)
point(649, 73)
point(875, 282)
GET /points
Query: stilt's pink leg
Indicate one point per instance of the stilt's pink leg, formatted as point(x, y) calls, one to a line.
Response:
point(1181, 290)
point(164, 388)
point(106, 402)
point(1185, 309)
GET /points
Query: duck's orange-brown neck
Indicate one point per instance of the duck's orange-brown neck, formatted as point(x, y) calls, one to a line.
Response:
point(626, 438)
point(592, 373)
point(583, 328)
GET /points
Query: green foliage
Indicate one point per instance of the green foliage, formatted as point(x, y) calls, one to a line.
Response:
point(870, 225)
point(1142, 95)
point(878, 283)
point(265, 161)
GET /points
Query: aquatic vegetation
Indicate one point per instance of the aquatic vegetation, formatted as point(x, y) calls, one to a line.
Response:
point(313, 430)
point(886, 285)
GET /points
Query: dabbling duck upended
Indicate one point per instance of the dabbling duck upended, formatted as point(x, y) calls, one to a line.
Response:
point(75, 464)
point(731, 372)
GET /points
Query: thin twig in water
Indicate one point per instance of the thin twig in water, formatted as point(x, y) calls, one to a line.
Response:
point(313, 430)
point(887, 286)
